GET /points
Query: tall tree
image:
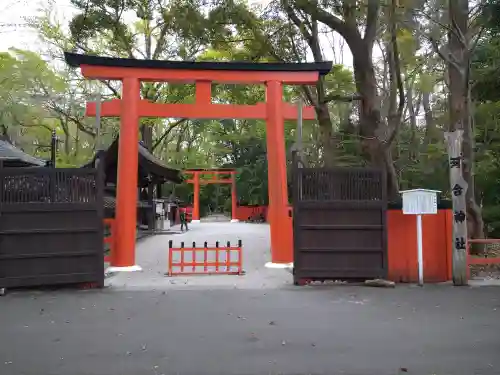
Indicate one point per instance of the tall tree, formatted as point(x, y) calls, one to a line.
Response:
point(464, 30)
point(460, 102)
point(347, 18)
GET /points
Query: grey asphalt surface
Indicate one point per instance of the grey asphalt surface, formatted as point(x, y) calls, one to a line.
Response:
point(296, 330)
point(147, 323)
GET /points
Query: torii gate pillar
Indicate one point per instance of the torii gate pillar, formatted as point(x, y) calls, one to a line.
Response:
point(280, 223)
point(126, 192)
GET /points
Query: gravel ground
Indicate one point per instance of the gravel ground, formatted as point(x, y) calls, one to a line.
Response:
point(488, 272)
point(152, 256)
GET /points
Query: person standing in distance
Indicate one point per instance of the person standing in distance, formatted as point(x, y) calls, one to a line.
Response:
point(183, 218)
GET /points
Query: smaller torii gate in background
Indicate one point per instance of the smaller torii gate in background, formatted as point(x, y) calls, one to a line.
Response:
point(216, 176)
point(131, 107)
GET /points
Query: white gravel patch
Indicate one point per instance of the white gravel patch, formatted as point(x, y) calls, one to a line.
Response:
point(152, 256)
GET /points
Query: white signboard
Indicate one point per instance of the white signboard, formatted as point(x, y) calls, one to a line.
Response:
point(159, 209)
point(419, 202)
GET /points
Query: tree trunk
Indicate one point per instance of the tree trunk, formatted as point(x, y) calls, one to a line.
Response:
point(147, 135)
point(327, 141)
point(375, 139)
point(414, 140)
point(372, 131)
point(309, 30)
point(459, 101)
point(67, 145)
point(77, 143)
point(429, 119)
point(147, 92)
point(4, 134)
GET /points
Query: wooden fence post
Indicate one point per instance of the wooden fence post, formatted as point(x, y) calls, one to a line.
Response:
point(458, 191)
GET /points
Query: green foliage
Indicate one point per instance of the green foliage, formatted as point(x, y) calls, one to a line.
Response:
point(37, 97)
point(486, 71)
point(485, 75)
point(25, 83)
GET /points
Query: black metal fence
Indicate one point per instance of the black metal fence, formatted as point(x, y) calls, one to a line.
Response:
point(51, 226)
point(339, 223)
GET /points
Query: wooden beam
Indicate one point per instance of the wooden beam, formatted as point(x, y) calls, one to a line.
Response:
point(258, 111)
point(191, 76)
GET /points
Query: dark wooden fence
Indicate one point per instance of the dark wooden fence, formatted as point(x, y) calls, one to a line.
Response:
point(339, 224)
point(51, 226)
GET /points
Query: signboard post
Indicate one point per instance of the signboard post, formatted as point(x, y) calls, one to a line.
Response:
point(420, 202)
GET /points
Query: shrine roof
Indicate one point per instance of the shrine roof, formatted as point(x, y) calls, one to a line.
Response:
point(15, 157)
point(149, 165)
point(76, 60)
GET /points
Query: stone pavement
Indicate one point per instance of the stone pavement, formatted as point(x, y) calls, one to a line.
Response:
point(152, 256)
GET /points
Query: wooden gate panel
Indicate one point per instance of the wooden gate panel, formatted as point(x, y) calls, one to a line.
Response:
point(60, 218)
point(339, 223)
point(334, 215)
point(51, 228)
point(355, 238)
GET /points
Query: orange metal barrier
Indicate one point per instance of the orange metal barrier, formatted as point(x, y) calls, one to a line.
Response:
point(475, 260)
point(225, 260)
point(110, 240)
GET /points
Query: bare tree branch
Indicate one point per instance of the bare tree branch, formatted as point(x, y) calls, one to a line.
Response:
point(111, 88)
point(448, 59)
point(371, 21)
point(167, 132)
point(341, 98)
point(397, 74)
point(309, 96)
point(429, 17)
point(349, 33)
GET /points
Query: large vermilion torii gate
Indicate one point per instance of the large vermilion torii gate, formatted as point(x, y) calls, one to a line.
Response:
point(131, 108)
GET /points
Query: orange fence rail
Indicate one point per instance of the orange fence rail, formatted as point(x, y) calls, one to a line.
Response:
point(225, 260)
point(110, 239)
point(478, 260)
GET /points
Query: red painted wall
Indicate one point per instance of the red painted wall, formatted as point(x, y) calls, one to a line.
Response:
point(402, 243)
point(402, 246)
point(244, 212)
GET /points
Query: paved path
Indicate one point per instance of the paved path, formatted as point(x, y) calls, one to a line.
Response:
point(299, 330)
point(152, 256)
point(149, 324)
